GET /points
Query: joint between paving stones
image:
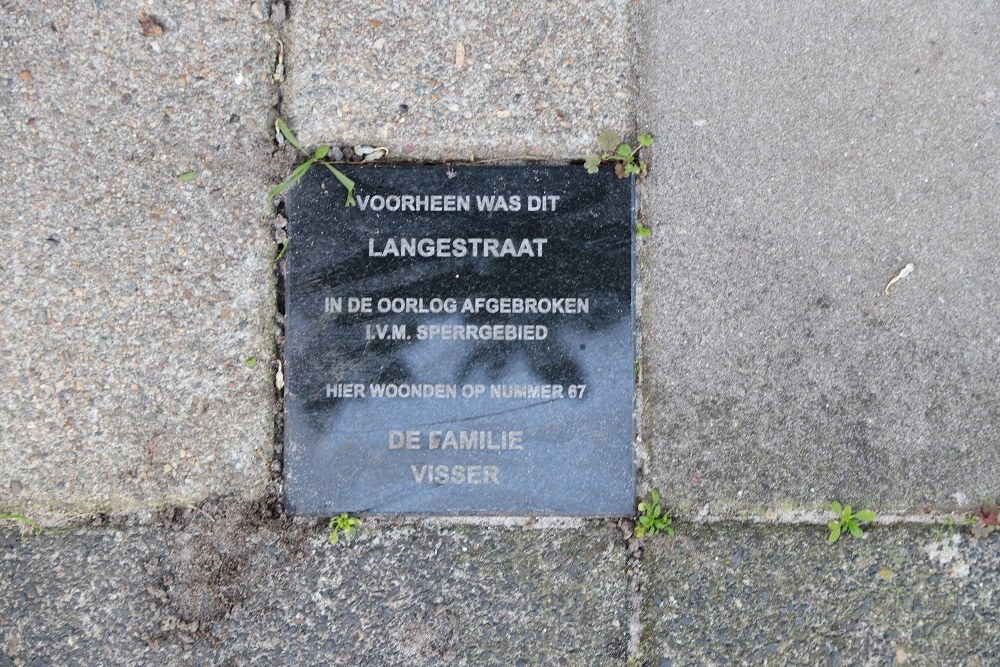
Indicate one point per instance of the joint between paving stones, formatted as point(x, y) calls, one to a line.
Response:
point(278, 13)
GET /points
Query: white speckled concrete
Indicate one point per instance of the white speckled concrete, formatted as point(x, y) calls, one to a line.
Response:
point(450, 80)
point(129, 301)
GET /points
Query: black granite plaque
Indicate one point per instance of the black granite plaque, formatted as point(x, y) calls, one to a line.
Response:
point(461, 342)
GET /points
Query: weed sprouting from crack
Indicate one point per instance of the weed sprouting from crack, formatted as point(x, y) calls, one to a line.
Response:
point(344, 523)
point(847, 520)
point(284, 249)
point(985, 520)
point(611, 148)
point(28, 522)
point(653, 518)
point(950, 526)
point(317, 157)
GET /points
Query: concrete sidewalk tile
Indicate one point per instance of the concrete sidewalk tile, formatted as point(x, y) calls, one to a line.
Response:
point(242, 592)
point(433, 80)
point(129, 299)
point(781, 595)
point(806, 154)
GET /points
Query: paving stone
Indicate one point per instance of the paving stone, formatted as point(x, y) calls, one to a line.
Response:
point(245, 591)
point(448, 81)
point(780, 595)
point(129, 299)
point(806, 155)
point(464, 446)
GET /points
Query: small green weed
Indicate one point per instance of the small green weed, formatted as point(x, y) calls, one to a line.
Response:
point(33, 525)
point(284, 249)
point(847, 520)
point(951, 526)
point(344, 523)
point(316, 158)
point(652, 518)
point(611, 148)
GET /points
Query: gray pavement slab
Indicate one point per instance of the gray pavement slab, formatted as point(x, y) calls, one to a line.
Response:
point(433, 80)
point(239, 589)
point(129, 299)
point(806, 154)
point(728, 594)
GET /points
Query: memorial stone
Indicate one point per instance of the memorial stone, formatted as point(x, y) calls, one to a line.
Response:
point(460, 341)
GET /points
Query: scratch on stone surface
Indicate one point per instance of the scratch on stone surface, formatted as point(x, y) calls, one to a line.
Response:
point(490, 414)
point(905, 271)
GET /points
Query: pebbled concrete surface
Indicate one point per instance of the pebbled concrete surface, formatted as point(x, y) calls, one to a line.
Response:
point(805, 154)
point(433, 80)
point(237, 589)
point(129, 301)
point(730, 594)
